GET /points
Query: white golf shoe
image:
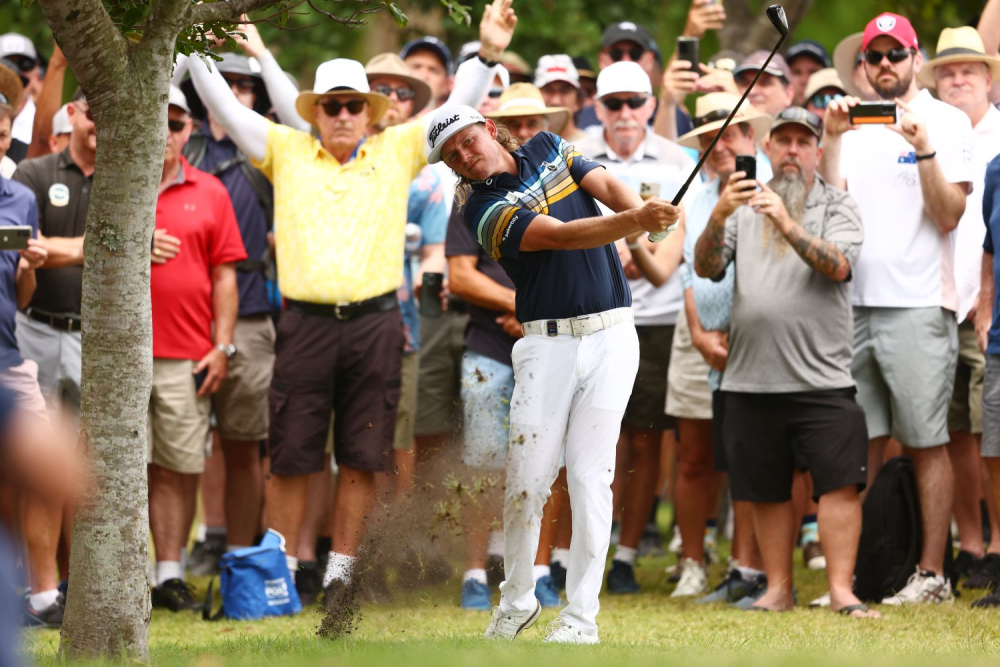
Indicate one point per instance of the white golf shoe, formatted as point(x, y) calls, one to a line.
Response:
point(559, 632)
point(507, 626)
point(693, 580)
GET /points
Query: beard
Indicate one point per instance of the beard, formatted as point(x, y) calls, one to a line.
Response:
point(891, 92)
point(791, 187)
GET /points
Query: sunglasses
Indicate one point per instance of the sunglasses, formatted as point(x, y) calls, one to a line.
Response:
point(800, 115)
point(874, 57)
point(242, 85)
point(403, 93)
point(176, 126)
point(495, 92)
point(822, 101)
point(634, 53)
point(615, 104)
point(24, 63)
point(332, 107)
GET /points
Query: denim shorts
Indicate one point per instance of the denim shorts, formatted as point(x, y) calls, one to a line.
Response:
point(487, 387)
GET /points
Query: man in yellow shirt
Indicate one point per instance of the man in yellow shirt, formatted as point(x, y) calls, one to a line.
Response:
point(340, 216)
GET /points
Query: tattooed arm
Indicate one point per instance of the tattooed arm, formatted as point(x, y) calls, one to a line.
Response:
point(823, 256)
point(712, 253)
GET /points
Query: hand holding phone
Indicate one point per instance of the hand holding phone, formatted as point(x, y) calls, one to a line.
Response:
point(689, 49)
point(15, 237)
point(748, 164)
point(872, 113)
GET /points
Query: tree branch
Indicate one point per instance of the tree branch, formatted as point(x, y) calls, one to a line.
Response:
point(77, 21)
point(222, 11)
point(165, 20)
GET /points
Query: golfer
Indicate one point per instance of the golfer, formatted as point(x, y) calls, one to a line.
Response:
point(533, 209)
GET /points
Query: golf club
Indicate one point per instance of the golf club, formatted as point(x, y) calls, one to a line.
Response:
point(777, 16)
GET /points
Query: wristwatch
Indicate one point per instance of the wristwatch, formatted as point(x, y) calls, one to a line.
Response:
point(228, 350)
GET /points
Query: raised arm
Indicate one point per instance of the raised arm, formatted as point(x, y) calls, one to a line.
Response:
point(712, 253)
point(280, 88)
point(47, 104)
point(245, 127)
point(473, 78)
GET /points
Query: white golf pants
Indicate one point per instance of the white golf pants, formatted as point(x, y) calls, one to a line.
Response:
point(570, 391)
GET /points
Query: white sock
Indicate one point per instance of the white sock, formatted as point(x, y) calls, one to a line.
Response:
point(542, 571)
point(748, 572)
point(560, 556)
point(625, 554)
point(167, 570)
point(293, 564)
point(475, 574)
point(43, 600)
point(202, 532)
point(236, 547)
point(338, 567)
point(495, 545)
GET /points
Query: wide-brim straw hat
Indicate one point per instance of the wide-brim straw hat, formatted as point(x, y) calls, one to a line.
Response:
point(824, 78)
point(341, 77)
point(390, 64)
point(10, 84)
point(711, 111)
point(524, 99)
point(844, 57)
point(958, 45)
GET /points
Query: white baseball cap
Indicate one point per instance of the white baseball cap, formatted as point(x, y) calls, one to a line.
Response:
point(177, 99)
point(556, 68)
point(60, 122)
point(448, 120)
point(623, 77)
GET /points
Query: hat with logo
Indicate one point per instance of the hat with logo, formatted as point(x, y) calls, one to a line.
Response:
point(624, 76)
point(824, 78)
point(893, 25)
point(524, 99)
point(448, 120)
point(711, 111)
point(626, 31)
point(177, 99)
point(845, 58)
point(341, 76)
point(556, 68)
point(60, 122)
point(235, 64)
point(958, 45)
point(432, 44)
point(799, 116)
point(753, 62)
point(808, 47)
point(390, 64)
point(11, 88)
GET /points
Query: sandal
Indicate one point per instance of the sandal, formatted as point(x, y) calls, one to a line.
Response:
point(851, 608)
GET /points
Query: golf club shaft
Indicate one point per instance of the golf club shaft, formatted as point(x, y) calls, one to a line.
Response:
point(659, 236)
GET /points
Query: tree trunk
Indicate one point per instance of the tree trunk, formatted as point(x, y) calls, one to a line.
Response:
point(126, 83)
point(748, 30)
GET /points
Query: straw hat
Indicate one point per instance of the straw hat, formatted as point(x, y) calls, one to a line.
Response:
point(390, 64)
point(711, 111)
point(824, 78)
point(523, 99)
point(341, 77)
point(11, 87)
point(958, 45)
point(844, 57)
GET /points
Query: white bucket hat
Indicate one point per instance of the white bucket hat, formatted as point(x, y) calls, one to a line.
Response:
point(341, 76)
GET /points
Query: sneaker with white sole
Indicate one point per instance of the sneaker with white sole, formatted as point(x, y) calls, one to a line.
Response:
point(693, 580)
point(923, 587)
point(559, 632)
point(507, 626)
point(821, 602)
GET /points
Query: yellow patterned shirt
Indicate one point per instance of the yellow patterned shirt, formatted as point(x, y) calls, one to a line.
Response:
point(340, 228)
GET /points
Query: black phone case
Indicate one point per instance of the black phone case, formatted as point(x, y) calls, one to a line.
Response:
point(689, 49)
point(747, 163)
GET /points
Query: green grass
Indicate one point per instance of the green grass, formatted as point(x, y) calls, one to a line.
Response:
point(427, 628)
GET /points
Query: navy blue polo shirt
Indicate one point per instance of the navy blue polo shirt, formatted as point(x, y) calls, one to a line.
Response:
point(250, 216)
point(991, 216)
point(551, 284)
point(18, 208)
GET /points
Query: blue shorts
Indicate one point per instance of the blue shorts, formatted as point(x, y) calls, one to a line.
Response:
point(487, 387)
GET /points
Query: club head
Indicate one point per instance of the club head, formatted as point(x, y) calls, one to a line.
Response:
point(776, 13)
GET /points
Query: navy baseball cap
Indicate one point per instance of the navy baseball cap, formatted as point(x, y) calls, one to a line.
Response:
point(429, 43)
point(628, 31)
point(808, 47)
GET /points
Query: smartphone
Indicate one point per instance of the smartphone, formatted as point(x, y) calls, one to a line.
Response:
point(872, 113)
point(14, 238)
point(199, 379)
point(689, 49)
point(430, 295)
point(747, 163)
point(649, 190)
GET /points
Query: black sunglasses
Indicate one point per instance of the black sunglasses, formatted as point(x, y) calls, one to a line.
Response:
point(242, 85)
point(822, 100)
point(332, 107)
point(800, 115)
point(403, 93)
point(615, 104)
point(24, 63)
point(874, 57)
point(176, 125)
point(495, 92)
point(634, 53)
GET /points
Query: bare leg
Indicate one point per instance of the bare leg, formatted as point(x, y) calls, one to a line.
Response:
point(935, 484)
point(992, 480)
point(351, 506)
point(840, 530)
point(963, 451)
point(695, 480)
point(319, 500)
point(876, 457)
point(774, 524)
point(640, 490)
point(405, 464)
point(286, 507)
point(172, 501)
point(213, 487)
point(564, 528)
point(42, 525)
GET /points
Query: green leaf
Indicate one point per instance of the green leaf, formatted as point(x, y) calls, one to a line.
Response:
point(398, 16)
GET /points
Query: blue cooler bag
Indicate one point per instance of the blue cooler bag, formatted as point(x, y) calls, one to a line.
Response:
point(255, 583)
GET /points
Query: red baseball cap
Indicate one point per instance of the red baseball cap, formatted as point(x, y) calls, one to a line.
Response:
point(895, 26)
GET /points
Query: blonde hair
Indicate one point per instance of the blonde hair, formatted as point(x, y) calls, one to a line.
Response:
point(464, 187)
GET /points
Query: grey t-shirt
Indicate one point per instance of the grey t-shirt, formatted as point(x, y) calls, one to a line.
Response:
point(792, 328)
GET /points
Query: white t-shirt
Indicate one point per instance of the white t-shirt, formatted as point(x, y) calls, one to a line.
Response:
point(22, 125)
point(905, 261)
point(971, 230)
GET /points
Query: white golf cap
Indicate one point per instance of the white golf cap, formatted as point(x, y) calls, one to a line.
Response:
point(60, 122)
point(448, 120)
point(623, 77)
point(177, 99)
point(341, 76)
point(556, 68)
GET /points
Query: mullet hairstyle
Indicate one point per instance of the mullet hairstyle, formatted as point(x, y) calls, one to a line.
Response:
point(464, 187)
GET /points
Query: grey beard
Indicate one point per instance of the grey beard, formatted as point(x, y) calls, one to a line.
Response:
point(792, 190)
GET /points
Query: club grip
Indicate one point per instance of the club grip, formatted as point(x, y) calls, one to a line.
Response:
point(656, 237)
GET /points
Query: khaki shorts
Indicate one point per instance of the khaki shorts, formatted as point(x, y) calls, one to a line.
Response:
point(688, 393)
point(966, 410)
point(177, 430)
point(22, 381)
point(240, 405)
point(406, 413)
point(439, 401)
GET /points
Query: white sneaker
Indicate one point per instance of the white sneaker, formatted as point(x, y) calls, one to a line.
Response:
point(693, 580)
point(822, 601)
point(558, 632)
point(675, 542)
point(507, 626)
point(923, 588)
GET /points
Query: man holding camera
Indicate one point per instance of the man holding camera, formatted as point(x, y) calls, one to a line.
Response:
point(910, 180)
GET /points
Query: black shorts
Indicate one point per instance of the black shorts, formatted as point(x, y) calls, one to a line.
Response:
point(763, 431)
point(718, 440)
point(647, 406)
point(349, 368)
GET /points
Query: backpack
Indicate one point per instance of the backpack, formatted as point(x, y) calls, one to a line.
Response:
point(255, 582)
point(891, 534)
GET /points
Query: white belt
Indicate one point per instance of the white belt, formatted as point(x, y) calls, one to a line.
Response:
point(584, 325)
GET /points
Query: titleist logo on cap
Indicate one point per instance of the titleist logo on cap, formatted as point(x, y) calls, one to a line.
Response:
point(441, 127)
